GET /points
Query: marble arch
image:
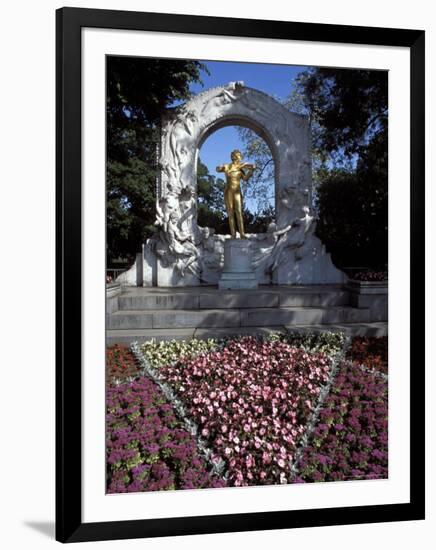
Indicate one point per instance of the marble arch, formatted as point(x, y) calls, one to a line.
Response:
point(262, 132)
point(185, 254)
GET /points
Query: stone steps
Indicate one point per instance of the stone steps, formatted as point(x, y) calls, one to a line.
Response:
point(126, 336)
point(209, 298)
point(231, 318)
point(206, 312)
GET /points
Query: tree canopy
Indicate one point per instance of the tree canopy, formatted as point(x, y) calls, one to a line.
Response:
point(211, 208)
point(138, 92)
point(348, 112)
point(349, 108)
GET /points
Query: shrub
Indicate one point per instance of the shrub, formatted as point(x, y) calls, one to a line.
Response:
point(360, 201)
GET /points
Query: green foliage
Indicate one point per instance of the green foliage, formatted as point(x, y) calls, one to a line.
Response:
point(211, 208)
point(260, 190)
point(258, 222)
point(130, 206)
point(349, 106)
point(349, 110)
point(353, 218)
point(138, 92)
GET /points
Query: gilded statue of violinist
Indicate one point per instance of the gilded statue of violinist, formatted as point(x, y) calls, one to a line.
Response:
point(234, 172)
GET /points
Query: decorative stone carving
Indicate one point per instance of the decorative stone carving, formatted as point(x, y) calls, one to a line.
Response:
point(184, 254)
point(292, 236)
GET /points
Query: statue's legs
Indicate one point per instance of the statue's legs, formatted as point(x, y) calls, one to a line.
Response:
point(237, 200)
point(229, 201)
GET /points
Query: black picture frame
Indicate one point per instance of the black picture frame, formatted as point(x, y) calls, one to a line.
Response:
point(69, 525)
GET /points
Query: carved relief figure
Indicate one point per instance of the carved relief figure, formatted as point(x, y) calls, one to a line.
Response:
point(179, 136)
point(223, 96)
point(292, 236)
point(174, 244)
point(212, 253)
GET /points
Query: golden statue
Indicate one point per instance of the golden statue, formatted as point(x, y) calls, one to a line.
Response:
point(232, 193)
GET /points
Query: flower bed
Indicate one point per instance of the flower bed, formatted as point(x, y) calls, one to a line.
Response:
point(121, 364)
point(371, 352)
point(255, 401)
point(170, 351)
point(351, 439)
point(252, 400)
point(167, 352)
point(147, 449)
point(371, 276)
point(325, 342)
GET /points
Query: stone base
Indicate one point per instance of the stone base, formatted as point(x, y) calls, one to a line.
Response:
point(241, 280)
point(309, 264)
point(166, 313)
point(238, 272)
point(372, 295)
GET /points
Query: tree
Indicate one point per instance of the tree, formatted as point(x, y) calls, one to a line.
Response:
point(139, 90)
point(211, 210)
point(261, 187)
point(350, 110)
point(258, 222)
point(352, 220)
point(348, 113)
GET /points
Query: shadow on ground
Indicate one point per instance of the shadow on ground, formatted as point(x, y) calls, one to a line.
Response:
point(47, 528)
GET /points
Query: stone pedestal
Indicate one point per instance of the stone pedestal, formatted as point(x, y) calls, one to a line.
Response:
point(238, 270)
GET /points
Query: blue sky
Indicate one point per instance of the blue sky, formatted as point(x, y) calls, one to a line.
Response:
point(275, 80)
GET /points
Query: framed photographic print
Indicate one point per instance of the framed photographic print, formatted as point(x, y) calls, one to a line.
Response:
point(240, 229)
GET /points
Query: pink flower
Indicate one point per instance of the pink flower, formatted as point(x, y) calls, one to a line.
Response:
point(254, 398)
point(249, 461)
point(266, 457)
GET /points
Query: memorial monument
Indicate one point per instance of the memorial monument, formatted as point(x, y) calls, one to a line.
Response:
point(182, 253)
point(238, 269)
point(234, 172)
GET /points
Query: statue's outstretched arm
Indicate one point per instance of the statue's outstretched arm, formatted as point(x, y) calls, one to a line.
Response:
point(221, 168)
point(283, 231)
